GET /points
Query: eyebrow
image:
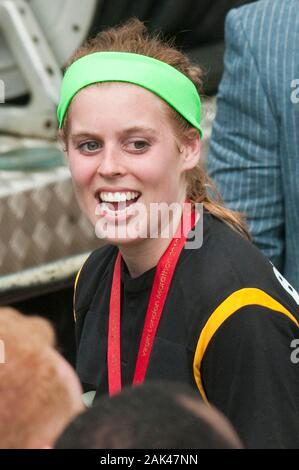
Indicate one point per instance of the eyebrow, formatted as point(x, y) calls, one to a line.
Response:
point(129, 130)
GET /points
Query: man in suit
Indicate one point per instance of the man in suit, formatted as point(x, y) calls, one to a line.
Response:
point(254, 150)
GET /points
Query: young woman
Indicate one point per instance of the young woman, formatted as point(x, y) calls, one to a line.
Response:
point(148, 305)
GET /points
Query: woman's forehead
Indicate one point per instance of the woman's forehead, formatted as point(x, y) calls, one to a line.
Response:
point(123, 92)
point(119, 102)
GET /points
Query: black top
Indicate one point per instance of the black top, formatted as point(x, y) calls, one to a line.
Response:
point(242, 364)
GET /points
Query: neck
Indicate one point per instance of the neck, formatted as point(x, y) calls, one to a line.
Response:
point(144, 256)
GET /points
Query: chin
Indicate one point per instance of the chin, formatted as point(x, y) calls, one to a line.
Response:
point(123, 242)
point(121, 230)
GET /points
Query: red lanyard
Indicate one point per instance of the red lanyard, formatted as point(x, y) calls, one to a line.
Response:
point(161, 284)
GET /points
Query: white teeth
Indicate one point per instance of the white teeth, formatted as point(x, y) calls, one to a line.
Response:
point(118, 196)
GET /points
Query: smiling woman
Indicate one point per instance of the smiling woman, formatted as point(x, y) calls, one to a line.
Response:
point(126, 157)
point(148, 307)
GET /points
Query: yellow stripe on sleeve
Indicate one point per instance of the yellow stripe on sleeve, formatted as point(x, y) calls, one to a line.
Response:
point(75, 287)
point(233, 303)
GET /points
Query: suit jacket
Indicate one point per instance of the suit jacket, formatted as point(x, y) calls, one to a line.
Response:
point(254, 150)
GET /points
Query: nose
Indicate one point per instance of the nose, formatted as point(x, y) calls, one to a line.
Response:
point(110, 164)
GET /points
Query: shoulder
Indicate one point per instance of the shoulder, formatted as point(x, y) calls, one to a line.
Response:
point(241, 289)
point(265, 17)
point(262, 13)
point(93, 270)
point(233, 268)
point(225, 251)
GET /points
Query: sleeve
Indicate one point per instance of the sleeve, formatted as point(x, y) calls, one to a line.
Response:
point(248, 372)
point(243, 158)
point(85, 287)
point(78, 309)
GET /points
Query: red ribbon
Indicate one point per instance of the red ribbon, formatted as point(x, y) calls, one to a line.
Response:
point(163, 277)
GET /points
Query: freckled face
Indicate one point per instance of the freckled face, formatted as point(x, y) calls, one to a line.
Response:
point(121, 140)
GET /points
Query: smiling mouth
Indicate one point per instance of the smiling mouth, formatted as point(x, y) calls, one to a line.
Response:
point(117, 201)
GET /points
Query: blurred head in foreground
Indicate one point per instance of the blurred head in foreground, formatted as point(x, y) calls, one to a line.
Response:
point(157, 415)
point(39, 391)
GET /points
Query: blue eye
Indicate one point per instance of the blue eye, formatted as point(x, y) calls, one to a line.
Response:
point(90, 146)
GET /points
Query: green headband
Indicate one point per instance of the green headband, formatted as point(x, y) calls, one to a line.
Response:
point(156, 76)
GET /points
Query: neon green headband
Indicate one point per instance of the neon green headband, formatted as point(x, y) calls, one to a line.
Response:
point(156, 76)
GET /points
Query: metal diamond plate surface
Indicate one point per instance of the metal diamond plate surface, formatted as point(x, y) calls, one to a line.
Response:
point(40, 220)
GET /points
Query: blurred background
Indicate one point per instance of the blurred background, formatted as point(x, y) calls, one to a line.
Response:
point(44, 238)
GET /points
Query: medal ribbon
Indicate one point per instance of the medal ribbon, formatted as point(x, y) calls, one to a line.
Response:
point(162, 280)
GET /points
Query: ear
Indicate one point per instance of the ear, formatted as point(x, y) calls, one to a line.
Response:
point(61, 139)
point(190, 149)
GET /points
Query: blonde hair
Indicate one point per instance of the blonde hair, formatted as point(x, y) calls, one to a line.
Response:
point(34, 398)
point(133, 36)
